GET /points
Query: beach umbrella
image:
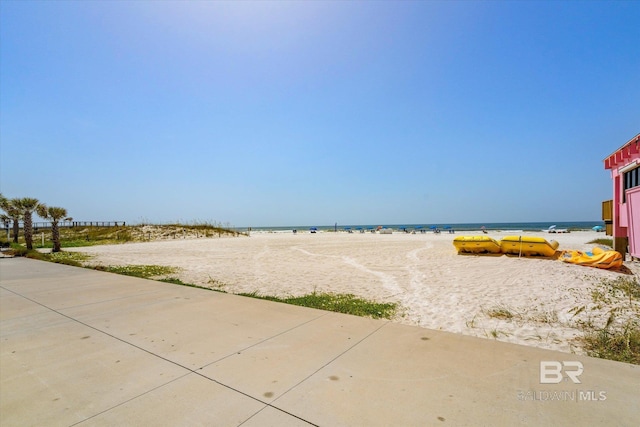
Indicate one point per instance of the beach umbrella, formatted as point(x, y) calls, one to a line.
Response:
point(552, 227)
point(447, 227)
point(597, 228)
point(314, 229)
point(433, 227)
point(419, 227)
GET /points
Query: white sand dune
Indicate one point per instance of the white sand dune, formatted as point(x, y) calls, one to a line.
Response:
point(436, 287)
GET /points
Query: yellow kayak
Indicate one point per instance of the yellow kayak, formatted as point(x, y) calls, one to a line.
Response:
point(476, 245)
point(599, 258)
point(528, 246)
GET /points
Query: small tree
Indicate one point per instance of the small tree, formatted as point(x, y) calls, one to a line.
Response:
point(55, 214)
point(13, 212)
point(28, 205)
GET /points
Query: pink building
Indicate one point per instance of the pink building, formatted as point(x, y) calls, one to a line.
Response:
point(622, 214)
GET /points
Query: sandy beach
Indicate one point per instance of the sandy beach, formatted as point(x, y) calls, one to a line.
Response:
point(536, 302)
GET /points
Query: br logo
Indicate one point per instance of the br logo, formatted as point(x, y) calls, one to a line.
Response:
point(551, 371)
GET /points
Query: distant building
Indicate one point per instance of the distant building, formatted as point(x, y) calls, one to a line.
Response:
point(622, 213)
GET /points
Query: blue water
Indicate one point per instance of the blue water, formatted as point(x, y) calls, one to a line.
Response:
point(472, 226)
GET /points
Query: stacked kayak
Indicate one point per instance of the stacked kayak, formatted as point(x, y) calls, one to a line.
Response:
point(528, 246)
point(476, 245)
point(512, 245)
point(537, 246)
point(599, 258)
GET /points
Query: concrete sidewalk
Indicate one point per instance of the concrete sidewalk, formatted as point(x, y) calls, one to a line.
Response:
point(82, 347)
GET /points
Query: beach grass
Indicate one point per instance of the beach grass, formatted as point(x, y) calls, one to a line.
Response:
point(16, 249)
point(340, 303)
point(602, 241)
point(142, 271)
point(75, 259)
point(618, 341)
point(176, 281)
point(621, 344)
point(500, 312)
point(81, 236)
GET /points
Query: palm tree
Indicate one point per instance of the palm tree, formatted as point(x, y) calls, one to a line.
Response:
point(56, 214)
point(28, 205)
point(13, 212)
point(4, 218)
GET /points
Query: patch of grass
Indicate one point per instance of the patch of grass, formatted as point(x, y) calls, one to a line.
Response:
point(613, 290)
point(340, 303)
point(613, 339)
point(577, 310)
point(602, 241)
point(75, 259)
point(142, 271)
point(18, 250)
point(176, 281)
point(74, 237)
point(629, 287)
point(621, 344)
point(500, 313)
point(495, 333)
point(471, 323)
point(216, 284)
point(79, 243)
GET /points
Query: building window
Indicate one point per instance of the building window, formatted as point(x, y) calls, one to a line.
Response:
point(631, 179)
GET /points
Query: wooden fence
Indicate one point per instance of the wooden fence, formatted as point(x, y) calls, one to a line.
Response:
point(71, 224)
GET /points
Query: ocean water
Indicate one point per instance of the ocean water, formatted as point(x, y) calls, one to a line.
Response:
point(471, 226)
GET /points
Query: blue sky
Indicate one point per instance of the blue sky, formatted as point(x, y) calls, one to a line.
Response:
point(310, 113)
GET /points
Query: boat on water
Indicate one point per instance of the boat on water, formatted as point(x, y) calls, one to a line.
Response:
point(528, 246)
point(599, 258)
point(476, 245)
